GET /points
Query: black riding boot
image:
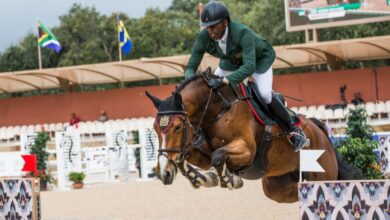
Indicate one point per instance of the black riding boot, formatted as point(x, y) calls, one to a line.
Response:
point(295, 135)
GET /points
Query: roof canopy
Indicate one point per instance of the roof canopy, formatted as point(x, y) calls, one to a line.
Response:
point(331, 52)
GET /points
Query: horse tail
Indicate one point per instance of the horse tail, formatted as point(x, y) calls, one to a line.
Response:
point(346, 171)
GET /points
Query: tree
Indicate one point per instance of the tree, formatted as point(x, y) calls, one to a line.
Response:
point(81, 35)
point(358, 148)
point(187, 6)
point(20, 57)
point(163, 34)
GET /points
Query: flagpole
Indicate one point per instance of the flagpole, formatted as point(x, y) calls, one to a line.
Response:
point(200, 8)
point(119, 41)
point(39, 49)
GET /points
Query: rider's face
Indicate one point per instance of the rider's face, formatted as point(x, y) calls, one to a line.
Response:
point(216, 31)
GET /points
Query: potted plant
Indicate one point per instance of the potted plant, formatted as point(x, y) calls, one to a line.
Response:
point(39, 149)
point(77, 178)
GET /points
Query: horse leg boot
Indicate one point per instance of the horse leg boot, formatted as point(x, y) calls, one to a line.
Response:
point(226, 178)
point(295, 135)
point(196, 177)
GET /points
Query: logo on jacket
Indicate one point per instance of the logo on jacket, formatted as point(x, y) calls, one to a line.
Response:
point(238, 55)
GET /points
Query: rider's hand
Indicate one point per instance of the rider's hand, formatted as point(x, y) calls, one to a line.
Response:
point(217, 82)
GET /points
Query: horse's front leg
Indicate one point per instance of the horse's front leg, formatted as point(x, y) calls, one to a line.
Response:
point(236, 154)
point(197, 177)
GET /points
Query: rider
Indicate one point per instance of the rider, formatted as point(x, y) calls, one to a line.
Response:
point(242, 53)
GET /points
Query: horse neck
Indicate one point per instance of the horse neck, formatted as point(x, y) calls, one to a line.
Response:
point(195, 96)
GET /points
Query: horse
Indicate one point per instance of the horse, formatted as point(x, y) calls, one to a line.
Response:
point(211, 137)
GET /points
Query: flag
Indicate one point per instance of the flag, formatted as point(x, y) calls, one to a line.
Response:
point(200, 8)
point(124, 39)
point(30, 162)
point(308, 160)
point(47, 39)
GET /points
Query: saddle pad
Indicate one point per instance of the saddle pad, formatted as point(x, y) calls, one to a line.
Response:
point(259, 109)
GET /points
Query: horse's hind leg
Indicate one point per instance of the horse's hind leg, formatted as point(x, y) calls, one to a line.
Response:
point(283, 189)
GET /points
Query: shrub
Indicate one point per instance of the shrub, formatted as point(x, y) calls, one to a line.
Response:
point(39, 149)
point(76, 177)
point(358, 148)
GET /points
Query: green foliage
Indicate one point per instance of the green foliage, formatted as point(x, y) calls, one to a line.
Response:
point(358, 148)
point(187, 6)
point(357, 124)
point(84, 37)
point(20, 57)
point(76, 177)
point(39, 149)
point(359, 152)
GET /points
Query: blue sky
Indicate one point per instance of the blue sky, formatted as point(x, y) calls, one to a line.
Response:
point(18, 17)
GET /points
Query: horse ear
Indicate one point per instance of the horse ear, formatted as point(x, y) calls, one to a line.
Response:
point(155, 100)
point(178, 101)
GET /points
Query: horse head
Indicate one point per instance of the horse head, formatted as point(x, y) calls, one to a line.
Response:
point(171, 128)
point(174, 128)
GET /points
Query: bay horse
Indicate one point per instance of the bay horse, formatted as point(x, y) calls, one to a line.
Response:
point(199, 127)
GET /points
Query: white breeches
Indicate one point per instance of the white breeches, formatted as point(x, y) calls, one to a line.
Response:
point(263, 82)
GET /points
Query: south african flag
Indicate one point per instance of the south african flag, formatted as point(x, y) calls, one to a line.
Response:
point(47, 39)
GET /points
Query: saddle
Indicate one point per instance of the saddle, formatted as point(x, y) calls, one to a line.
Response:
point(258, 106)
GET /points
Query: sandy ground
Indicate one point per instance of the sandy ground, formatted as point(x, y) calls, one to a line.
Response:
point(149, 200)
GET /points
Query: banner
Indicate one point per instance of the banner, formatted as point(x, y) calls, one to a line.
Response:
point(313, 14)
point(118, 154)
point(68, 150)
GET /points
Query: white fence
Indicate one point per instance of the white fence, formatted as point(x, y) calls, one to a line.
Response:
point(110, 158)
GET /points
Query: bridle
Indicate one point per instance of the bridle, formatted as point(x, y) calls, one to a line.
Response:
point(183, 150)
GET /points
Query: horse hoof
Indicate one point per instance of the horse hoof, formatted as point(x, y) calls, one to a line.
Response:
point(238, 183)
point(211, 180)
point(195, 184)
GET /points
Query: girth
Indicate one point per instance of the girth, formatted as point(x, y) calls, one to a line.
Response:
point(257, 169)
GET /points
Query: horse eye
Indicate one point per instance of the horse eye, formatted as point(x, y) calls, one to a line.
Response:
point(177, 128)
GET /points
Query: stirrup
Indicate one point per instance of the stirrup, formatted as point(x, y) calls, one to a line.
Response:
point(303, 136)
point(291, 134)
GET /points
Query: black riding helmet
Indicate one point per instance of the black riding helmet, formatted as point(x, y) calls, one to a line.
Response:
point(213, 13)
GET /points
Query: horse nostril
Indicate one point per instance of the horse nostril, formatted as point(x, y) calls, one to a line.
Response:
point(167, 174)
point(167, 178)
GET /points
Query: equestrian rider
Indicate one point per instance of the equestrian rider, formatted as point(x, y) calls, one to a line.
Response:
point(242, 53)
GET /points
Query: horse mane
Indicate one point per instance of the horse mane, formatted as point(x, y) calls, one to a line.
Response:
point(185, 82)
point(321, 125)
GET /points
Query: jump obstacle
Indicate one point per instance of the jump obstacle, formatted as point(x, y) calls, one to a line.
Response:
point(19, 199)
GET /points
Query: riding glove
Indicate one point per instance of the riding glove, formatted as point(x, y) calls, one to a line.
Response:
point(217, 83)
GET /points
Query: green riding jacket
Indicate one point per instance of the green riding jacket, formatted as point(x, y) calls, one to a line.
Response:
point(246, 53)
